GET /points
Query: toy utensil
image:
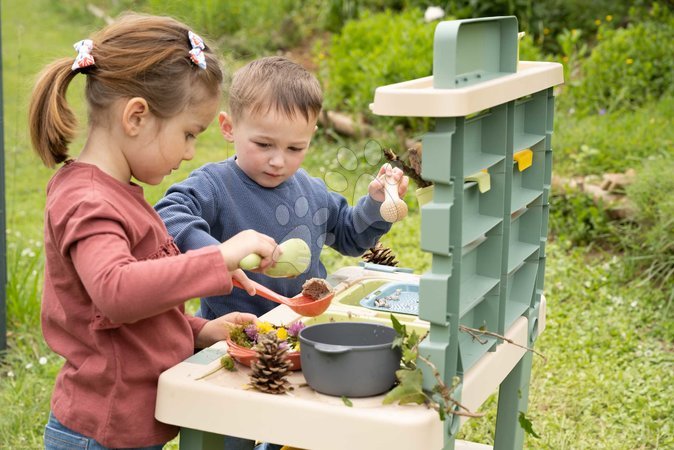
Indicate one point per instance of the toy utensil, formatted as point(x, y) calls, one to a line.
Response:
point(295, 259)
point(301, 304)
point(393, 209)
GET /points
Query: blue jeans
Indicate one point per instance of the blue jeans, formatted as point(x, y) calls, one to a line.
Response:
point(58, 437)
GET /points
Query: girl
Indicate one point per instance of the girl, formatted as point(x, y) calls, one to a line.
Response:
point(115, 283)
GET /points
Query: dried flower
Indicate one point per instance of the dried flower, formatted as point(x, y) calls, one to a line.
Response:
point(295, 328)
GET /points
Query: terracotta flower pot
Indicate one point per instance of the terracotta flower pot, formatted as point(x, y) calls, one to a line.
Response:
point(247, 356)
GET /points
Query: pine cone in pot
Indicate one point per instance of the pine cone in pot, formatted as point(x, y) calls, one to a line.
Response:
point(381, 255)
point(270, 371)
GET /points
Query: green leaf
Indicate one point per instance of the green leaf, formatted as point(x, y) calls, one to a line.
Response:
point(347, 401)
point(228, 363)
point(409, 389)
point(409, 356)
point(525, 423)
point(400, 328)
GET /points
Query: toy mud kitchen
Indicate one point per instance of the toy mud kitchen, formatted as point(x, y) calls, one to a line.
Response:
point(480, 306)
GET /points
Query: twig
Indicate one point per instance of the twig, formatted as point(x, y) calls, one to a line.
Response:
point(476, 331)
point(407, 170)
point(446, 393)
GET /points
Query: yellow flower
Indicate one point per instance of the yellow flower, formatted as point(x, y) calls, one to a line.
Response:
point(282, 334)
point(609, 18)
point(629, 61)
point(597, 22)
point(264, 327)
point(546, 31)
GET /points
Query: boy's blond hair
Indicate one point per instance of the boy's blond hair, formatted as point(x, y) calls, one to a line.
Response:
point(278, 84)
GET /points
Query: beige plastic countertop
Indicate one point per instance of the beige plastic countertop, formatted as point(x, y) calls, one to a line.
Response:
point(220, 403)
point(418, 98)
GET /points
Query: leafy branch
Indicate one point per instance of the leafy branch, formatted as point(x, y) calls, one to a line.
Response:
point(410, 377)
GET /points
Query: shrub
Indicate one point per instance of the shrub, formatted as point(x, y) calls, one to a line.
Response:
point(650, 243)
point(576, 219)
point(629, 66)
point(376, 50)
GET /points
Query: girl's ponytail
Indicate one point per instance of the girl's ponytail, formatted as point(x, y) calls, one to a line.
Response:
point(52, 123)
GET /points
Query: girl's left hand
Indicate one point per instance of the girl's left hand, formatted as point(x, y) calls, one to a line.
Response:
point(218, 329)
point(393, 174)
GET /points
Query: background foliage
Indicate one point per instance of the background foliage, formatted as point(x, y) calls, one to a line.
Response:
point(610, 324)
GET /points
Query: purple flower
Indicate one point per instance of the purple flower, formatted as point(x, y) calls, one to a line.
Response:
point(251, 331)
point(602, 111)
point(295, 328)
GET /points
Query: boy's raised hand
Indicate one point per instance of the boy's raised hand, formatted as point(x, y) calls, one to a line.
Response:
point(388, 174)
point(240, 245)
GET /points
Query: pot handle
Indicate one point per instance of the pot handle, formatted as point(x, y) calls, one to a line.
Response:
point(328, 348)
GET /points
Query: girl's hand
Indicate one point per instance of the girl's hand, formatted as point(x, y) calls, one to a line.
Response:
point(246, 242)
point(376, 187)
point(240, 276)
point(218, 329)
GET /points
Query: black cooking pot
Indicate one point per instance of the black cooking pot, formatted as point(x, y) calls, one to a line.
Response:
point(352, 359)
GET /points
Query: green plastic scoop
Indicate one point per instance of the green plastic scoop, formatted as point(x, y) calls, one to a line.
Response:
point(295, 259)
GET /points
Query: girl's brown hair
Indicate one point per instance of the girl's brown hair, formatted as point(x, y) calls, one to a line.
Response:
point(136, 56)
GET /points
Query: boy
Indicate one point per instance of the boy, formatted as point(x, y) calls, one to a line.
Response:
point(274, 106)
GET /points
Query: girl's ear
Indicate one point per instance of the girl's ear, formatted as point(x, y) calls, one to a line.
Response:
point(226, 126)
point(135, 115)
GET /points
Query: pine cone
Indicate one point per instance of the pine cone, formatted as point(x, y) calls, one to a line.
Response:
point(271, 368)
point(381, 255)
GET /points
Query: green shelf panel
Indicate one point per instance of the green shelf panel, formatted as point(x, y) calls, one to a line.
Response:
point(527, 140)
point(484, 139)
point(434, 290)
point(471, 351)
point(521, 197)
point(438, 146)
point(531, 115)
point(484, 315)
point(467, 52)
point(520, 251)
point(478, 287)
point(520, 290)
point(475, 220)
point(479, 271)
point(435, 227)
point(524, 236)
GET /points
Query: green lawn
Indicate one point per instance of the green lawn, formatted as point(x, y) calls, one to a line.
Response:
point(607, 383)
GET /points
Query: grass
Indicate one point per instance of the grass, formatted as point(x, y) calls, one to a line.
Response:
point(607, 383)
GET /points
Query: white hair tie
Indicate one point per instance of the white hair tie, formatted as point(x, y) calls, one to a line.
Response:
point(197, 53)
point(84, 58)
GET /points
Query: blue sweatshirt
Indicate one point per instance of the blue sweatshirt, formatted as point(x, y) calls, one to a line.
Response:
point(219, 200)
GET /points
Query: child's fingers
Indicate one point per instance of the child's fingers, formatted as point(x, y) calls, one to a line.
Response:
point(402, 187)
point(241, 318)
point(246, 283)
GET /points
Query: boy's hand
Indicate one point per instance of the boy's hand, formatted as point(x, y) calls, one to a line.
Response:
point(246, 242)
point(218, 329)
point(376, 187)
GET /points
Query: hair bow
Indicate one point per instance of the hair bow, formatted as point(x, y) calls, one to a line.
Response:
point(197, 53)
point(84, 58)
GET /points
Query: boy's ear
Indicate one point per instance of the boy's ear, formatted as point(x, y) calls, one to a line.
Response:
point(226, 126)
point(135, 115)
